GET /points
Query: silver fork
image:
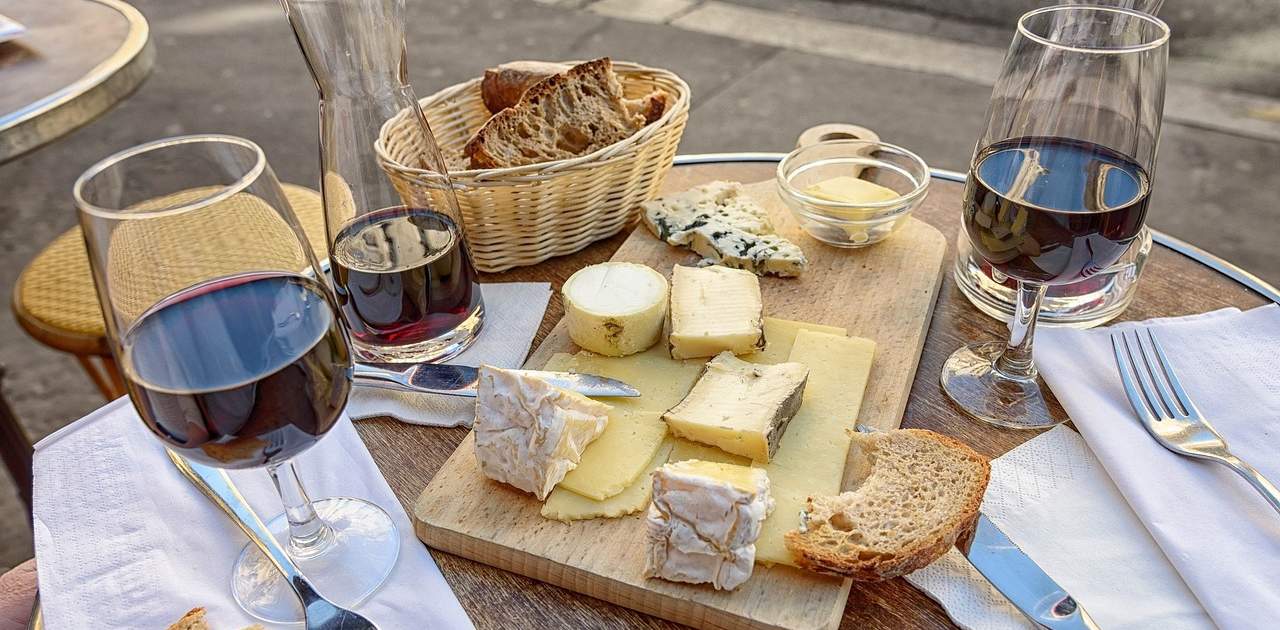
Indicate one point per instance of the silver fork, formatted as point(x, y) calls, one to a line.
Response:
point(1168, 414)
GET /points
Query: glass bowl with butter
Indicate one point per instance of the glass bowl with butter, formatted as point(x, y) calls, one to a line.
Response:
point(852, 193)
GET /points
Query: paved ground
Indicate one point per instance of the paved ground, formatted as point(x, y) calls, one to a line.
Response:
point(761, 72)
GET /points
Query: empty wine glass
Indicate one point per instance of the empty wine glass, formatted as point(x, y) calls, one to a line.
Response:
point(230, 344)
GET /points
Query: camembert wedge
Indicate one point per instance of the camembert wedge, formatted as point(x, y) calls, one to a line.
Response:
point(703, 522)
point(715, 309)
point(529, 433)
point(742, 408)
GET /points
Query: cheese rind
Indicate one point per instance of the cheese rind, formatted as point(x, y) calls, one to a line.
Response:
point(565, 505)
point(723, 224)
point(703, 522)
point(714, 309)
point(615, 308)
point(740, 407)
point(528, 433)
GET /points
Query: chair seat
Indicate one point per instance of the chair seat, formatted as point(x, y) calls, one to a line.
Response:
point(55, 300)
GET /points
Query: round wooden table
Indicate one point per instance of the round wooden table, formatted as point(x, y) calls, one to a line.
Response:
point(1179, 280)
point(76, 60)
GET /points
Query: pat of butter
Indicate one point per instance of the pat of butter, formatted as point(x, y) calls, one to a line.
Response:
point(846, 189)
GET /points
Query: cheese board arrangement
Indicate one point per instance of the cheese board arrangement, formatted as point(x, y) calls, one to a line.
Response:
point(749, 385)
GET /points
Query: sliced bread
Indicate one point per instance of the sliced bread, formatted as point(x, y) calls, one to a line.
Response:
point(919, 493)
point(562, 116)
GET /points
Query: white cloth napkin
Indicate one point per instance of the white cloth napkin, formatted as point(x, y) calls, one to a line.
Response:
point(1053, 499)
point(124, 541)
point(512, 312)
point(1221, 536)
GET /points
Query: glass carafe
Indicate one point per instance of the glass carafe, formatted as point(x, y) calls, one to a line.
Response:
point(399, 260)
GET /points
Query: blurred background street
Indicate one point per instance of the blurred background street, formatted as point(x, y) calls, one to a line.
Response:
point(761, 71)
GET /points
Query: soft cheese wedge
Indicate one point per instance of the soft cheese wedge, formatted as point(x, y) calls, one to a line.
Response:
point(742, 408)
point(528, 433)
point(703, 522)
point(713, 310)
point(566, 505)
point(615, 308)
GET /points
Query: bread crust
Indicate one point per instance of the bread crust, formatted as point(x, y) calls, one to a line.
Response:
point(870, 566)
point(503, 85)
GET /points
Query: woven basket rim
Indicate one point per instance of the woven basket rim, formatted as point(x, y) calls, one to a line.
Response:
point(538, 170)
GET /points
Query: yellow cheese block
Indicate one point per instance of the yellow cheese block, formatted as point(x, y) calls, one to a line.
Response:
point(780, 334)
point(846, 189)
point(608, 465)
point(810, 460)
point(614, 460)
point(563, 505)
point(688, 449)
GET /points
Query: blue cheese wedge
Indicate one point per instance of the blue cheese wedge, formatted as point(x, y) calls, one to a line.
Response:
point(742, 408)
point(529, 433)
point(704, 521)
point(724, 225)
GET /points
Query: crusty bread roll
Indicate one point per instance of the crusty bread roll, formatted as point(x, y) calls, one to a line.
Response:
point(920, 492)
point(503, 86)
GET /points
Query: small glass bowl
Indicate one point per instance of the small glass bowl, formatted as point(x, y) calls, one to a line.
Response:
point(852, 224)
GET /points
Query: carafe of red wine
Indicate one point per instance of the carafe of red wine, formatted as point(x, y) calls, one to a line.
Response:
point(398, 259)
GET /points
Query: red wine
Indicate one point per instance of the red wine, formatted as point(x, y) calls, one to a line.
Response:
point(403, 275)
point(240, 372)
point(1053, 210)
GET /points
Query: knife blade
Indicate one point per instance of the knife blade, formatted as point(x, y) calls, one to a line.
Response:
point(1021, 580)
point(460, 380)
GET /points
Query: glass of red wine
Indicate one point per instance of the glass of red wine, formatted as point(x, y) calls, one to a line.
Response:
point(231, 345)
point(402, 271)
point(1059, 183)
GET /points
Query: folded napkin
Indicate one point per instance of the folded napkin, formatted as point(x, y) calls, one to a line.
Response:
point(125, 541)
point(1053, 499)
point(512, 313)
point(1221, 536)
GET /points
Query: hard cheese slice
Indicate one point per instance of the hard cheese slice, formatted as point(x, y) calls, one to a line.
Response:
point(688, 449)
point(564, 505)
point(621, 454)
point(811, 458)
point(781, 335)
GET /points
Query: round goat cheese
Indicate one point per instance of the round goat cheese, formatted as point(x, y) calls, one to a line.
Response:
point(615, 308)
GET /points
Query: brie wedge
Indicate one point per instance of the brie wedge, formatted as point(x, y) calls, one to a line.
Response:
point(714, 309)
point(724, 225)
point(703, 522)
point(528, 433)
point(742, 408)
point(615, 308)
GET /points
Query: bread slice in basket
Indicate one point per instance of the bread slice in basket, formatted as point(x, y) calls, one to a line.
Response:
point(919, 493)
point(563, 115)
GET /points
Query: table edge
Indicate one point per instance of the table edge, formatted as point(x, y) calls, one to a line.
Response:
point(1198, 254)
point(51, 117)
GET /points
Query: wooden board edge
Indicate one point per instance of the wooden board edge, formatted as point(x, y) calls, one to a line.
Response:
point(585, 582)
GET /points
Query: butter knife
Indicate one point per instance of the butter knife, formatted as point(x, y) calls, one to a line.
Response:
point(1021, 580)
point(460, 380)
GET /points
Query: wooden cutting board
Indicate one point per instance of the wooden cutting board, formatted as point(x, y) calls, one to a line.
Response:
point(885, 292)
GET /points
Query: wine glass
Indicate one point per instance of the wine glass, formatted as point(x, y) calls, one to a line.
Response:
point(1059, 183)
point(230, 344)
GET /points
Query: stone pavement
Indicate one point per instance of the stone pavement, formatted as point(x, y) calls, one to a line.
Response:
point(761, 71)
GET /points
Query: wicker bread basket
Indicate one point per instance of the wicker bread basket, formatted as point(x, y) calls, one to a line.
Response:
point(526, 214)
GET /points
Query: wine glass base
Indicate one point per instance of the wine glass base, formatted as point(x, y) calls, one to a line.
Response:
point(358, 559)
point(971, 381)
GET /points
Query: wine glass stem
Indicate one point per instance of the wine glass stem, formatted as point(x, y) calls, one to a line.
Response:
point(1015, 361)
point(308, 533)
